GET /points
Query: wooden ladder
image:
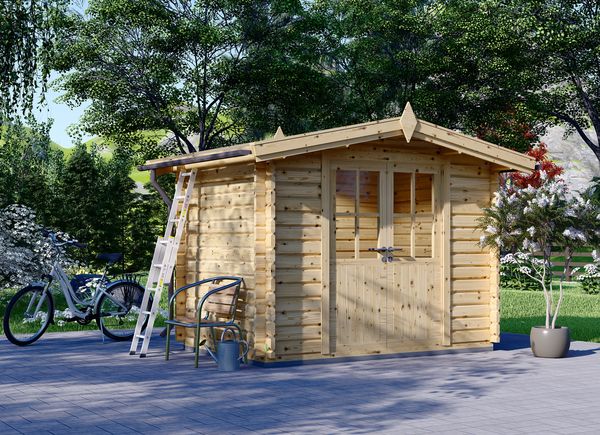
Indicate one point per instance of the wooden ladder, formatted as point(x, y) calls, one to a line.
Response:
point(163, 262)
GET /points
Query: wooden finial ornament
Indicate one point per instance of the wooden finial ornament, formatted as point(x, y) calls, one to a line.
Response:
point(279, 133)
point(408, 121)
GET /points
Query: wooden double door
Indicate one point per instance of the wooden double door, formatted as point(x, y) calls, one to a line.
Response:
point(384, 258)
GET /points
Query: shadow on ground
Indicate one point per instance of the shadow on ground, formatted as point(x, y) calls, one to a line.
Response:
point(66, 374)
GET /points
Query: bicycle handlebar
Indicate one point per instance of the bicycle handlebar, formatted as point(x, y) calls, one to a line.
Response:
point(57, 242)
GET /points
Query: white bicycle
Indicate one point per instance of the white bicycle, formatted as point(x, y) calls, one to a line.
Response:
point(113, 304)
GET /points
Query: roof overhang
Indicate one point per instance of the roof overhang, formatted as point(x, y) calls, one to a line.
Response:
point(406, 126)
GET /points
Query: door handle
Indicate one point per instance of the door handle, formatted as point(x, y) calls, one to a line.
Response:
point(387, 253)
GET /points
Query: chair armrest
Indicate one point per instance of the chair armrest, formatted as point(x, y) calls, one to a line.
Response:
point(235, 281)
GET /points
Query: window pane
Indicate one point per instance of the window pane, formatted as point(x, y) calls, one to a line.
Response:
point(402, 192)
point(369, 192)
point(402, 227)
point(345, 191)
point(423, 236)
point(368, 236)
point(344, 236)
point(423, 193)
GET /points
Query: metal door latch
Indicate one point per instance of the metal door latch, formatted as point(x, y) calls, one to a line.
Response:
point(387, 253)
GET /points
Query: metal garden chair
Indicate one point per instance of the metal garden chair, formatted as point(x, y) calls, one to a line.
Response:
point(216, 309)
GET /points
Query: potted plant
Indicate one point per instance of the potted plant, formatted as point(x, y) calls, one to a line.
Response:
point(525, 225)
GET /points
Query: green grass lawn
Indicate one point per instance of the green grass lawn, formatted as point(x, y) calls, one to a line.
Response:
point(520, 310)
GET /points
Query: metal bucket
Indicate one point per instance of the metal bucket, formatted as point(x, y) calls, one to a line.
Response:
point(228, 354)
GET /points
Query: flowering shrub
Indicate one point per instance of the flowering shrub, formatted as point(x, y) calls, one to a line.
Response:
point(547, 167)
point(590, 278)
point(26, 254)
point(525, 221)
point(512, 278)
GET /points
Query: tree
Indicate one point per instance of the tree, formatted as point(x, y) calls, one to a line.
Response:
point(376, 55)
point(523, 222)
point(523, 64)
point(27, 31)
point(161, 65)
point(29, 167)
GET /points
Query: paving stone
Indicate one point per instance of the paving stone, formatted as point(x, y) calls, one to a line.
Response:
point(71, 382)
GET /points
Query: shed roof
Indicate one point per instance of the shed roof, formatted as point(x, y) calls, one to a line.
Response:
point(407, 126)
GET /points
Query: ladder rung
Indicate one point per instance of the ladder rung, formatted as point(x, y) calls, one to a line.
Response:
point(147, 312)
point(157, 265)
point(143, 337)
point(173, 220)
point(180, 197)
point(185, 174)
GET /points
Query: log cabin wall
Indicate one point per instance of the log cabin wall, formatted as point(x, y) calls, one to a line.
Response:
point(220, 239)
point(475, 299)
point(471, 305)
point(298, 256)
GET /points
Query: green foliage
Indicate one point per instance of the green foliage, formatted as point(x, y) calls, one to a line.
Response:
point(590, 284)
point(29, 167)
point(101, 207)
point(88, 194)
point(27, 30)
point(511, 278)
point(525, 221)
point(522, 63)
point(165, 65)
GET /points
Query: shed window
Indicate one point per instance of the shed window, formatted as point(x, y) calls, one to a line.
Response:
point(413, 214)
point(356, 213)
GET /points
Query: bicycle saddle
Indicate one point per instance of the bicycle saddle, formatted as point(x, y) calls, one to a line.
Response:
point(110, 258)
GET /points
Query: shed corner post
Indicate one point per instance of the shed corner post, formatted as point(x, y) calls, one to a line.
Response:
point(446, 256)
point(494, 274)
point(325, 254)
point(270, 257)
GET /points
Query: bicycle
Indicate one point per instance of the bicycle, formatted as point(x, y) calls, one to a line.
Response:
point(114, 305)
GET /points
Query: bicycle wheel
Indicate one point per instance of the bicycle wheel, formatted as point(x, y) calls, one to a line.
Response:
point(118, 310)
point(28, 315)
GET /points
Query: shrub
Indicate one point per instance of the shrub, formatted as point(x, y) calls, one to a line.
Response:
point(512, 279)
point(26, 254)
point(590, 278)
point(525, 221)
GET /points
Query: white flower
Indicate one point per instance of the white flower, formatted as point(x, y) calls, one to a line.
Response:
point(491, 229)
point(531, 231)
point(574, 234)
point(543, 201)
point(525, 270)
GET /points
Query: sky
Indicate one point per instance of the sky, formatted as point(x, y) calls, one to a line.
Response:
point(63, 116)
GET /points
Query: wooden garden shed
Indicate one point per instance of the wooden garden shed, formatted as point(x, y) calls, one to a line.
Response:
point(303, 219)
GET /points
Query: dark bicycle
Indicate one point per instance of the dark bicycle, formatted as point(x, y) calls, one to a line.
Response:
point(113, 304)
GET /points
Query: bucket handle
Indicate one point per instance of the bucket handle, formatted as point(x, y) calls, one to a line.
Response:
point(244, 342)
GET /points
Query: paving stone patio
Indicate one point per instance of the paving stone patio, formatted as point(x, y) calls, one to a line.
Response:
point(73, 383)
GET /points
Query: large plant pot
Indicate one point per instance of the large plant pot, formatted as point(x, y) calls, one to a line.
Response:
point(550, 343)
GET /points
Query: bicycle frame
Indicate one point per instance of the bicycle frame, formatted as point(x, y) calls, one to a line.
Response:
point(71, 297)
